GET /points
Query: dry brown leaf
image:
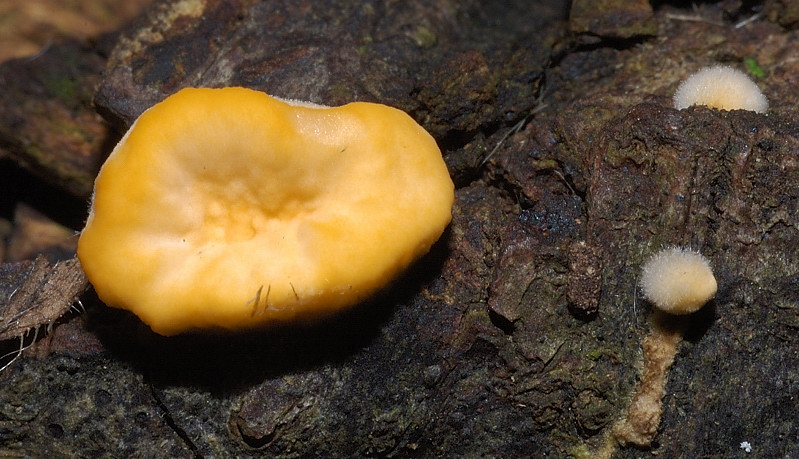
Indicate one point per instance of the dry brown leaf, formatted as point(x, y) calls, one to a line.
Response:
point(33, 294)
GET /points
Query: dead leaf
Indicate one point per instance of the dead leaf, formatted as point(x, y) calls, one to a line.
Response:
point(35, 293)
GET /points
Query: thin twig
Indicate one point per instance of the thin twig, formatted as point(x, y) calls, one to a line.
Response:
point(692, 18)
point(750, 19)
point(513, 130)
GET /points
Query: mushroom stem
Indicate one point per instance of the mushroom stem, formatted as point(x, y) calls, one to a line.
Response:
point(643, 415)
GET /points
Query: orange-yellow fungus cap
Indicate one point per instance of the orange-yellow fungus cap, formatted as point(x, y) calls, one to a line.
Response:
point(227, 208)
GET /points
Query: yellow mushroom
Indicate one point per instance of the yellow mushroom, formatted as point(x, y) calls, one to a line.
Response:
point(227, 208)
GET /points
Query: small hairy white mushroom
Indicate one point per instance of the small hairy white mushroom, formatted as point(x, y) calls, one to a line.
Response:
point(678, 281)
point(720, 87)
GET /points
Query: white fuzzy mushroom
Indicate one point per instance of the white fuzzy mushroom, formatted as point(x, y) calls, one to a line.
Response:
point(678, 281)
point(720, 87)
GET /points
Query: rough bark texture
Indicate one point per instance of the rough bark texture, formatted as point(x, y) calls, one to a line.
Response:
point(456, 65)
point(47, 122)
point(520, 333)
